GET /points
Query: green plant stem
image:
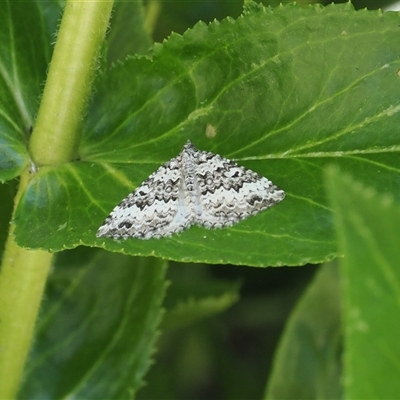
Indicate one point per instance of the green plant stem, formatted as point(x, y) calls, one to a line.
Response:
point(54, 141)
point(56, 134)
point(23, 277)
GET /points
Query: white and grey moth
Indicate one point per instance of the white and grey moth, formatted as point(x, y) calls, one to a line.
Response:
point(195, 188)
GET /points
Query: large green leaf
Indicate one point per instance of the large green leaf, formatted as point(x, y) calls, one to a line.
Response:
point(287, 90)
point(25, 49)
point(97, 328)
point(368, 227)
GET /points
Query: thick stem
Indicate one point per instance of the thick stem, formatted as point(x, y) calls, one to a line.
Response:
point(56, 134)
point(53, 142)
point(23, 276)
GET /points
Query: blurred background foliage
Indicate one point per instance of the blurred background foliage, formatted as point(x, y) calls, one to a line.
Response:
point(228, 355)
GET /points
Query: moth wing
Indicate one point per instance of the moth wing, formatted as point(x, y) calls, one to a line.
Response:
point(157, 208)
point(228, 193)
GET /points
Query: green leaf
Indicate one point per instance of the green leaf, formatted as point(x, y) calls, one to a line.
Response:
point(25, 38)
point(127, 35)
point(97, 328)
point(188, 302)
point(307, 364)
point(287, 90)
point(368, 228)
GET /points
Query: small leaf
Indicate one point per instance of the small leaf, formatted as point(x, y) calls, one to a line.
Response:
point(368, 228)
point(188, 303)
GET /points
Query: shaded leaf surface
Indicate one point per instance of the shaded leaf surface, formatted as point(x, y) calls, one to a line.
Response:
point(287, 90)
point(307, 364)
point(7, 193)
point(126, 24)
point(97, 327)
point(368, 231)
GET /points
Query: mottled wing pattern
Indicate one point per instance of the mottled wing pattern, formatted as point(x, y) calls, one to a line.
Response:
point(157, 208)
point(228, 192)
point(197, 187)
